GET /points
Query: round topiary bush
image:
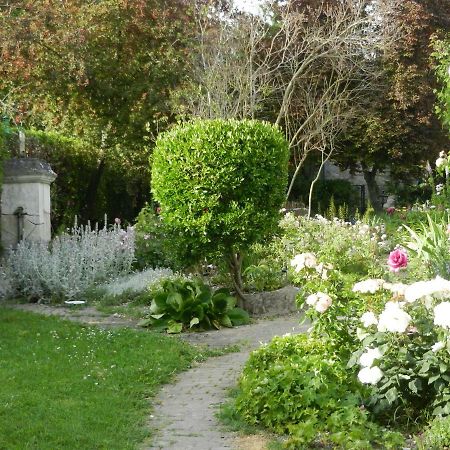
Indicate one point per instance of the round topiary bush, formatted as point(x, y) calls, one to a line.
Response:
point(220, 184)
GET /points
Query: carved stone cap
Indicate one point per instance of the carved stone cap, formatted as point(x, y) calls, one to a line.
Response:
point(27, 170)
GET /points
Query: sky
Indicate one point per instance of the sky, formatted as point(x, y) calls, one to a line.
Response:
point(249, 6)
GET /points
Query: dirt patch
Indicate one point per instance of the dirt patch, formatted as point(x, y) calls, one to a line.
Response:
point(252, 442)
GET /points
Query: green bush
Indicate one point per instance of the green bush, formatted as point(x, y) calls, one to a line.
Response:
point(341, 192)
point(436, 436)
point(220, 184)
point(152, 243)
point(87, 184)
point(182, 303)
point(296, 385)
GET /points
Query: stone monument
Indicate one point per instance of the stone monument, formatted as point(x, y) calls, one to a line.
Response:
point(25, 201)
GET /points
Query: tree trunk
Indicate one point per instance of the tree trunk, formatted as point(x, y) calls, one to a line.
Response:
point(88, 212)
point(373, 190)
point(235, 264)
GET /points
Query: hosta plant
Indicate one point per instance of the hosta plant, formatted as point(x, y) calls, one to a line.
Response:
point(183, 303)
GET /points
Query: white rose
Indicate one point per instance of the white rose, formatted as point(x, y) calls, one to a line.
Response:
point(368, 286)
point(368, 319)
point(370, 375)
point(299, 262)
point(311, 300)
point(323, 303)
point(442, 314)
point(437, 346)
point(440, 161)
point(393, 319)
point(369, 356)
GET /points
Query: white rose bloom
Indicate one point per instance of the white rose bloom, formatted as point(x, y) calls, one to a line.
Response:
point(312, 299)
point(396, 288)
point(299, 262)
point(393, 319)
point(437, 346)
point(368, 319)
point(442, 314)
point(323, 303)
point(440, 161)
point(370, 375)
point(420, 289)
point(369, 356)
point(368, 286)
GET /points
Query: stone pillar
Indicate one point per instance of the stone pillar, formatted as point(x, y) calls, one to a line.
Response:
point(25, 201)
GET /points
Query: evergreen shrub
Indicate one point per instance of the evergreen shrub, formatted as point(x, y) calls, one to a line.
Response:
point(220, 184)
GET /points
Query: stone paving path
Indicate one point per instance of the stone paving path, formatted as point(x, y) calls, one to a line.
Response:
point(184, 411)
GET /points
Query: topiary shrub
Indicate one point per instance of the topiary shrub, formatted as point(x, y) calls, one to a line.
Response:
point(220, 184)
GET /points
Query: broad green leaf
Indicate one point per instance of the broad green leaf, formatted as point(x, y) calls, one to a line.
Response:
point(174, 327)
point(225, 321)
point(175, 300)
point(194, 321)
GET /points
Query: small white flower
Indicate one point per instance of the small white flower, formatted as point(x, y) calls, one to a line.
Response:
point(442, 314)
point(420, 289)
point(396, 288)
point(368, 286)
point(393, 319)
point(370, 375)
point(369, 356)
point(368, 319)
point(437, 346)
point(323, 303)
point(320, 301)
point(441, 160)
point(299, 262)
point(312, 299)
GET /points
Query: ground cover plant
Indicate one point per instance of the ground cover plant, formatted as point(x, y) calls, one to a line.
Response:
point(71, 264)
point(79, 387)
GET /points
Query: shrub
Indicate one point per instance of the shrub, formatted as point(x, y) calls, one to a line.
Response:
point(220, 184)
point(153, 247)
point(71, 264)
point(297, 385)
point(183, 303)
point(341, 192)
point(88, 184)
point(436, 436)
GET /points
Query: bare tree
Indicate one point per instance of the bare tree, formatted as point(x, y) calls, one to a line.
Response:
point(308, 69)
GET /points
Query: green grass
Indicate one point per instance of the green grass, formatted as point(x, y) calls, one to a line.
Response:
point(68, 386)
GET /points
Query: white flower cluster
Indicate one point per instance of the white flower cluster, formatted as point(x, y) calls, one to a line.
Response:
point(393, 318)
point(441, 160)
point(368, 286)
point(309, 261)
point(442, 315)
point(370, 374)
point(304, 260)
point(320, 301)
point(71, 263)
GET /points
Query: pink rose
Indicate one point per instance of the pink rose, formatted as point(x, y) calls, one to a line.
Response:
point(397, 259)
point(390, 210)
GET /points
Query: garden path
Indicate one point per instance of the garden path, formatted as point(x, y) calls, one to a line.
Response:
point(184, 411)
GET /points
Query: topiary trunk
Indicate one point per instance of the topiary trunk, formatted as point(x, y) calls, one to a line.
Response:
point(235, 265)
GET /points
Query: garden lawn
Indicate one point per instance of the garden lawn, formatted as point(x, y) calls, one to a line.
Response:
point(68, 386)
